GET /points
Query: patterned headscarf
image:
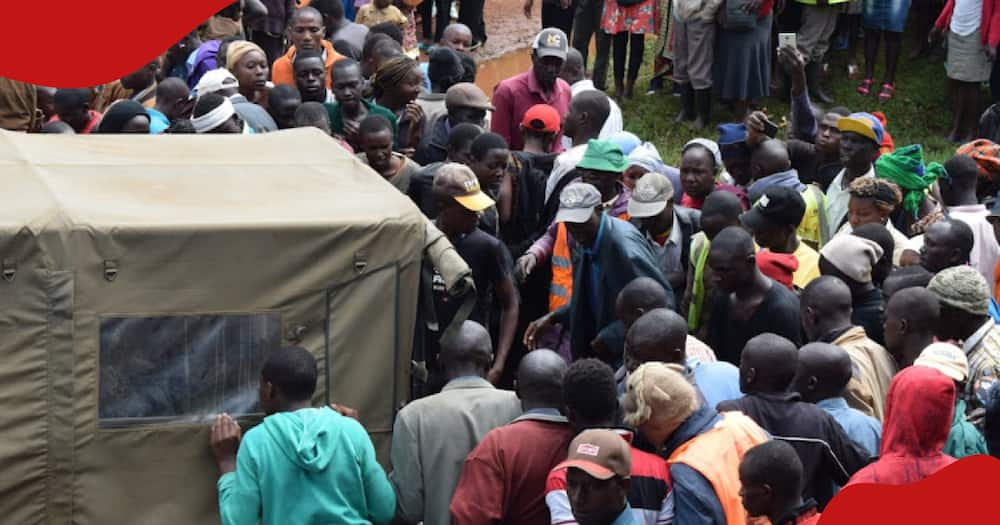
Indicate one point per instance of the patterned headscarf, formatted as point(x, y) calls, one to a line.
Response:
point(906, 168)
point(986, 153)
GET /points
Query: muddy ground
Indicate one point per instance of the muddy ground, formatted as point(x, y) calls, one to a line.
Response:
point(507, 28)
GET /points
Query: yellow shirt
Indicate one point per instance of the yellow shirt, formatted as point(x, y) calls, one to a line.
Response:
point(369, 15)
point(808, 265)
point(811, 227)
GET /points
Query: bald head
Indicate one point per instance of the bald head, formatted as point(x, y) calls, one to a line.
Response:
point(595, 104)
point(470, 350)
point(456, 30)
point(172, 88)
point(638, 297)
point(823, 372)
point(659, 335)
point(947, 243)
point(172, 98)
point(301, 13)
point(770, 157)
point(735, 241)
point(768, 364)
point(827, 294)
point(572, 69)
point(540, 379)
point(912, 317)
point(825, 305)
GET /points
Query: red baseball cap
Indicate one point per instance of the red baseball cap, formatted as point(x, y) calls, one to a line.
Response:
point(542, 118)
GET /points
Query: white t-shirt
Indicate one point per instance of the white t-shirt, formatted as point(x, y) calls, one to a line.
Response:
point(564, 163)
point(967, 17)
point(613, 125)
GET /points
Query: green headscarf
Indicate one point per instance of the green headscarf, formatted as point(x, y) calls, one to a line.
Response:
point(905, 167)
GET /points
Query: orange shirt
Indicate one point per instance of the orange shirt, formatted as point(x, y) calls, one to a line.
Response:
point(282, 72)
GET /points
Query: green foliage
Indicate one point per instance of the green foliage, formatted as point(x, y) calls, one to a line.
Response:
point(919, 112)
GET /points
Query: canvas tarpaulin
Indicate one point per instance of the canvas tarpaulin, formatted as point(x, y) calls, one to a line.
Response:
point(144, 279)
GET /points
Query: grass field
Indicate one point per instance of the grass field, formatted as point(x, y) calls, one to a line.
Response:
point(917, 114)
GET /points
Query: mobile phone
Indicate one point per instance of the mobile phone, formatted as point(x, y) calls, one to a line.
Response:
point(770, 129)
point(787, 40)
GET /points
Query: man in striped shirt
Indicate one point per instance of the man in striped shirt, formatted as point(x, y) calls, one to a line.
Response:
point(591, 401)
point(964, 297)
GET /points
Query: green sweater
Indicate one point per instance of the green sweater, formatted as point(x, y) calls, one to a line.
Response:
point(337, 118)
point(964, 439)
point(308, 466)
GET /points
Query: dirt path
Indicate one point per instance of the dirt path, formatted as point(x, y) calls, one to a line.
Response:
point(507, 28)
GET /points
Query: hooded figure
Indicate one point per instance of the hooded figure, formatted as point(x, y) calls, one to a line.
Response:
point(918, 414)
point(322, 457)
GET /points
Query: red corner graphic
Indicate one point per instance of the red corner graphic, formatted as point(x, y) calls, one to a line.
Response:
point(73, 43)
point(962, 492)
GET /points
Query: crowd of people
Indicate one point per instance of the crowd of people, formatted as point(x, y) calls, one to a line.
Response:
point(742, 335)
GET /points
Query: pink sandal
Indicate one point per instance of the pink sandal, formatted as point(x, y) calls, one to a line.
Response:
point(887, 92)
point(865, 88)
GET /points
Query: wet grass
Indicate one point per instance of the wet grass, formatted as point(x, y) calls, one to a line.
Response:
point(917, 114)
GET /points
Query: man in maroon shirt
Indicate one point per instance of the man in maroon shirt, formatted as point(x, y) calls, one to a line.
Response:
point(503, 480)
point(539, 85)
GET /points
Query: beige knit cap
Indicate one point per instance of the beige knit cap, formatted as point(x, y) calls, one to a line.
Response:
point(656, 391)
point(854, 256)
point(962, 287)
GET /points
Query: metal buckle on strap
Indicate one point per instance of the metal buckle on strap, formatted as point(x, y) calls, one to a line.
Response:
point(9, 269)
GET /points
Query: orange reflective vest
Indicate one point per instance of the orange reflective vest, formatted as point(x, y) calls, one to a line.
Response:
point(716, 455)
point(561, 289)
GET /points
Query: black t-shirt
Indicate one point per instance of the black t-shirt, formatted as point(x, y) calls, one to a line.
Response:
point(490, 264)
point(778, 314)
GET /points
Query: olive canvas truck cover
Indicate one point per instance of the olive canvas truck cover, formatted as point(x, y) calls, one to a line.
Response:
point(145, 279)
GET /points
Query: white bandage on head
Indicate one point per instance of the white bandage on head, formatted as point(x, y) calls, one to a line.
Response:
point(214, 118)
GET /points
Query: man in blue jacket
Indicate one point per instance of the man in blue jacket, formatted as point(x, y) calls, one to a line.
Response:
point(611, 253)
point(301, 464)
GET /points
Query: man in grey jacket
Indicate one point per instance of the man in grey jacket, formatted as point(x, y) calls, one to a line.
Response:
point(433, 435)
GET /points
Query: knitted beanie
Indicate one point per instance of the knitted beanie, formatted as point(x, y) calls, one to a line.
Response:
point(962, 287)
point(657, 391)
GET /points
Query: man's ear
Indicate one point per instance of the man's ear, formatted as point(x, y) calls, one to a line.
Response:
point(267, 390)
point(812, 382)
point(751, 375)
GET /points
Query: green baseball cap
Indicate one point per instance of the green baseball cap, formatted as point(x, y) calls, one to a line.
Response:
point(603, 155)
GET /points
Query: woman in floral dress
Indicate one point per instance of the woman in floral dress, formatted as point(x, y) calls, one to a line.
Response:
point(628, 21)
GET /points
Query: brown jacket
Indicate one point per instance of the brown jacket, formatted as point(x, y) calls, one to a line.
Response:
point(873, 371)
point(17, 105)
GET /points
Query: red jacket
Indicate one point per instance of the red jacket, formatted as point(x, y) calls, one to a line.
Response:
point(989, 29)
point(918, 414)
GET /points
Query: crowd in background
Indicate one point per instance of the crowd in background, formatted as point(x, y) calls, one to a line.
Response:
point(739, 335)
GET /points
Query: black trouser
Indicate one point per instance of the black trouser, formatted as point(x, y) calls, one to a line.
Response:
point(470, 13)
point(995, 83)
point(587, 23)
point(553, 15)
point(427, 18)
point(634, 57)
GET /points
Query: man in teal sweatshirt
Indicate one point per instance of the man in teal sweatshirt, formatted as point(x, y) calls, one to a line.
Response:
point(301, 464)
